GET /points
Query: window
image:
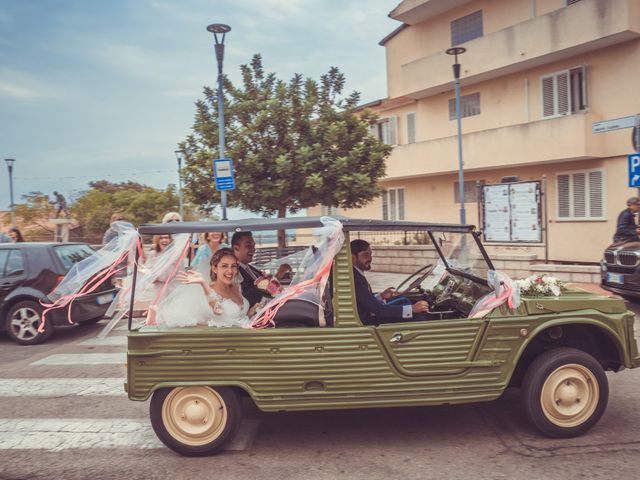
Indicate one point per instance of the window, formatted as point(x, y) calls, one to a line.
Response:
point(581, 195)
point(466, 28)
point(469, 106)
point(393, 204)
point(328, 210)
point(385, 130)
point(11, 263)
point(411, 127)
point(70, 254)
point(470, 191)
point(564, 92)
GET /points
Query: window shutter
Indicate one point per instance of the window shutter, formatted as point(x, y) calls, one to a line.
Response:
point(596, 207)
point(547, 97)
point(393, 129)
point(579, 195)
point(563, 89)
point(385, 206)
point(392, 205)
point(411, 128)
point(563, 196)
point(401, 204)
point(374, 131)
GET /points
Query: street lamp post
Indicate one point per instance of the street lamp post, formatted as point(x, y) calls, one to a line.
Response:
point(220, 29)
point(180, 156)
point(456, 74)
point(10, 162)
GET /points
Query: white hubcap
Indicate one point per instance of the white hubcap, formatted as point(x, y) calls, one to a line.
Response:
point(25, 322)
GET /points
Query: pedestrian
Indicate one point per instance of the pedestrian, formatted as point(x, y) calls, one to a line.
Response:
point(111, 233)
point(627, 229)
point(171, 217)
point(15, 235)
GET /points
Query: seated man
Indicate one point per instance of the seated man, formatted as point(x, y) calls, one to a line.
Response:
point(374, 309)
point(244, 247)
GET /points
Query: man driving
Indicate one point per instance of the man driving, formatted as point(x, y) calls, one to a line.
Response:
point(379, 308)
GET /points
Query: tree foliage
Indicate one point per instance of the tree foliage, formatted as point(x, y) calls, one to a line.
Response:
point(136, 202)
point(295, 144)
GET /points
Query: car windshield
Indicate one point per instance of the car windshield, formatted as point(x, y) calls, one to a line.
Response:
point(462, 253)
point(71, 254)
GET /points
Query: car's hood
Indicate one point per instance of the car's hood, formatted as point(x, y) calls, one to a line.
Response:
point(574, 299)
point(624, 246)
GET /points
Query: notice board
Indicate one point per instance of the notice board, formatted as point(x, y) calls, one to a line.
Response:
point(511, 212)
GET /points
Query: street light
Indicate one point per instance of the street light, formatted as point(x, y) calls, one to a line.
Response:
point(456, 74)
point(10, 162)
point(180, 155)
point(220, 29)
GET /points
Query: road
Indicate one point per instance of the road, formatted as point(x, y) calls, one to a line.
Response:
point(64, 415)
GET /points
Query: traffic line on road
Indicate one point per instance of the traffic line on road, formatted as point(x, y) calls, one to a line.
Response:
point(58, 435)
point(83, 359)
point(56, 387)
point(118, 340)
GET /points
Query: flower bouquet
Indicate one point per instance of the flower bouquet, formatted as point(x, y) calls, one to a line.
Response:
point(540, 285)
point(269, 284)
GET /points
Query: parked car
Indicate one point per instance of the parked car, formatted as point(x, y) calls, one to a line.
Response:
point(620, 269)
point(28, 273)
point(555, 349)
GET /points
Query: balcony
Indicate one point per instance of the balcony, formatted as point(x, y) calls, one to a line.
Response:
point(545, 141)
point(561, 34)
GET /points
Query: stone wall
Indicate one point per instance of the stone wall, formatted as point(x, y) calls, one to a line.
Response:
point(407, 259)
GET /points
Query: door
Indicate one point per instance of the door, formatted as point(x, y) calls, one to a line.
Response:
point(12, 272)
point(434, 347)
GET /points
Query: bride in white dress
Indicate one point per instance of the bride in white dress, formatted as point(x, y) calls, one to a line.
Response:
point(198, 302)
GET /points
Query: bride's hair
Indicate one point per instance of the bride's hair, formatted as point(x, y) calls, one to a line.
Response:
point(216, 257)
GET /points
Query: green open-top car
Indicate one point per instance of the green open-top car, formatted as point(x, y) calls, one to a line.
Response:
point(554, 348)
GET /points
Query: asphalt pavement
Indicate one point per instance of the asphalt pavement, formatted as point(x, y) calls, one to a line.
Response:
point(64, 415)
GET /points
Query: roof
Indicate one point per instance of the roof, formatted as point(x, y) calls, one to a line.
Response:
point(291, 223)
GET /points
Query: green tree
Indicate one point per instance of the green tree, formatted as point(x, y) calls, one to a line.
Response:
point(137, 203)
point(295, 144)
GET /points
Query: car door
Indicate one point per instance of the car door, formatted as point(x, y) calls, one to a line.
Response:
point(434, 347)
point(12, 270)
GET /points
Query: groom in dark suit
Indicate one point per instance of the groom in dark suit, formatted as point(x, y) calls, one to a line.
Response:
point(374, 309)
point(244, 247)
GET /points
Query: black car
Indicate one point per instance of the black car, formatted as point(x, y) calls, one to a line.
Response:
point(28, 273)
point(620, 269)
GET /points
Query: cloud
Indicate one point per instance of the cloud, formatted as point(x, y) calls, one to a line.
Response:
point(19, 85)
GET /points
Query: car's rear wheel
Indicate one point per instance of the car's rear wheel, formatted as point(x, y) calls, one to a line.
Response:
point(195, 421)
point(564, 392)
point(22, 322)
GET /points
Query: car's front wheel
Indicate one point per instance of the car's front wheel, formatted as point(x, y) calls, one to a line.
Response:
point(22, 322)
point(195, 421)
point(564, 392)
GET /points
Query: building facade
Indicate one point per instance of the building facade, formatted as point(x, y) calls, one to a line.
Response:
point(535, 77)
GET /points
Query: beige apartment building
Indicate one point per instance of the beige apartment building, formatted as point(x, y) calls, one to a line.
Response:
point(536, 76)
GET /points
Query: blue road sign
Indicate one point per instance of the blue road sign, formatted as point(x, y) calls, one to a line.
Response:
point(634, 169)
point(223, 173)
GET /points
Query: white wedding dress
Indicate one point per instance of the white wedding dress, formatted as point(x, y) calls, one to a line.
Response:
point(187, 306)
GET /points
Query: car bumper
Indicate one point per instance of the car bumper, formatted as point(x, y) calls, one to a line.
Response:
point(84, 308)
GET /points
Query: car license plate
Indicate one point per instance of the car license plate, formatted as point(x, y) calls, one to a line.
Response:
point(615, 277)
point(106, 298)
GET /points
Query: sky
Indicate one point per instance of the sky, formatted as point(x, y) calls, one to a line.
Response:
point(93, 90)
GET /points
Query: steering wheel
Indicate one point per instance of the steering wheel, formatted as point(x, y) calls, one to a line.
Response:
point(419, 275)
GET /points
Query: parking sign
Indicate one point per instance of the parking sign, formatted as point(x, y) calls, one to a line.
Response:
point(634, 169)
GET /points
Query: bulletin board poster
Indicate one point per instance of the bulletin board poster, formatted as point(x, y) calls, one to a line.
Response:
point(512, 212)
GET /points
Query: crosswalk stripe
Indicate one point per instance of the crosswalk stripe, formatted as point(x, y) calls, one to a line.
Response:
point(82, 433)
point(83, 359)
point(57, 435)
point(55, 387)
point(118, 340)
